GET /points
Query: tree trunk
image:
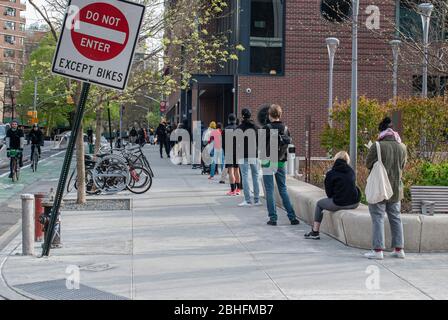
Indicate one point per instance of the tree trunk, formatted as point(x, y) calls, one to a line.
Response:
point(80, 168)
point(99, 128)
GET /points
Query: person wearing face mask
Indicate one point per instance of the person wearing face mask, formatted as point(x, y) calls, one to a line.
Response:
point(15, 139)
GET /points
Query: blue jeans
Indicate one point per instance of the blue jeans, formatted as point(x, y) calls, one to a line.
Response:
point(253, 165)
point(377, 213)
point(218, 158)
point(280, 178)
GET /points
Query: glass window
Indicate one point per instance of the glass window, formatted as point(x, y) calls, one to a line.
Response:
point(266, 37)
point(21, 41)
point(9, 25)
point(411, 23)
point(22, 27)
point(10, 12)
point(10, 39)
point(8, 53)
point(437, 85)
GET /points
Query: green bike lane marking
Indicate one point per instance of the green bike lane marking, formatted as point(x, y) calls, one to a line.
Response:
point(49, 168)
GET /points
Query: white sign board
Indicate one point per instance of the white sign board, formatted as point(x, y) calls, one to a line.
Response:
point(98, 40)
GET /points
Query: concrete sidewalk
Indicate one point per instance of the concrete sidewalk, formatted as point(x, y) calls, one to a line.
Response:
point(185, 239)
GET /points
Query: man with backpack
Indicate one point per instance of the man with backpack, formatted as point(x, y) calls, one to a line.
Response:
point(277, 169)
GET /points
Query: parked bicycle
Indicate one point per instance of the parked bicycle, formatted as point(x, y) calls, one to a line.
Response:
point(114, 172)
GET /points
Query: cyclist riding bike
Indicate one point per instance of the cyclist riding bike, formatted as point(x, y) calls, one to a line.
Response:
point(37, 140)
point(15, 140)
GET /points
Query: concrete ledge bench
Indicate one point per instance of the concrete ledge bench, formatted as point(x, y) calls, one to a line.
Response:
point(428, 200)
point(354, 227)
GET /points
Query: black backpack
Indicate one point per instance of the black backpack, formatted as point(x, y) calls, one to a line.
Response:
point(284, 140)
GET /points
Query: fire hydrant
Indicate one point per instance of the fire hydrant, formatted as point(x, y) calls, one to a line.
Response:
point(44, 219)
point(38, 211)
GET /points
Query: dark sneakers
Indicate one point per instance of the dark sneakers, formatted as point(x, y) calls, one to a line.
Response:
point(312, 235)
point(274, 223)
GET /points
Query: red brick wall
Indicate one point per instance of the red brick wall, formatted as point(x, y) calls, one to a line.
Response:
point(304, 87)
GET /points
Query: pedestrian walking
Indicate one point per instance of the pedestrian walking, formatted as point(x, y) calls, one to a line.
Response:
point(231, 162)
point(133, 134)
point(250, 159)
point(393, 155)
point(161, 134)
point(341, 190)
point(277, 169)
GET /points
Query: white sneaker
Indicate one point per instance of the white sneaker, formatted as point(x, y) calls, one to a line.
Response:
point(374, 255)
point(398, 254)
point(258, 203)
point(245, 204)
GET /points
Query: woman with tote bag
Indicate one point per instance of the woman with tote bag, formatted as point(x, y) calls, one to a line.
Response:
point(384, 190)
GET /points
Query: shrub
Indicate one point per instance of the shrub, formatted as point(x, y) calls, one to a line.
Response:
point(434, 174)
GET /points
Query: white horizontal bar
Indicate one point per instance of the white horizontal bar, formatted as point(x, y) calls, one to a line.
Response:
point(93, 30)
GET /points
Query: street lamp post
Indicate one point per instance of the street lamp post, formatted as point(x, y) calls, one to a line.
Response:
point(395, 44)
point(354, 90)
point(425, 10)
point(332, 45)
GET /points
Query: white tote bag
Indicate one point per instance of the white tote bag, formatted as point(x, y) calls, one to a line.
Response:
point(378, 186)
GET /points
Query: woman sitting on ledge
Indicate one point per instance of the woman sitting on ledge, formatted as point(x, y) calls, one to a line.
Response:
point(341, 190)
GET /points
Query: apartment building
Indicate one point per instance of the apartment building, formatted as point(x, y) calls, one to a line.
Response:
point(12, 48)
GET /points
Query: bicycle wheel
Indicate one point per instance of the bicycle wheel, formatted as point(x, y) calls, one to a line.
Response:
point(90, 184)
point(141, 180)
point(34, 164)
point(14, 170)
point(72, 181)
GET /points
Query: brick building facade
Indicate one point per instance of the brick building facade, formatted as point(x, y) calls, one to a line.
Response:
point(12, 48)
point(300, 82)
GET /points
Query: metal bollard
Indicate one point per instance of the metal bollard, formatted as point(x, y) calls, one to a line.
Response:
point(291, 160)
point(27, 224)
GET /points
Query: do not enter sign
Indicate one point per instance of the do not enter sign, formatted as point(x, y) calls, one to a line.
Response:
point(100, 31)
point(98, 41)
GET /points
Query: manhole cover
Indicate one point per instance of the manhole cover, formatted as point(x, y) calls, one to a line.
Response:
point(57, 290)
point(97, 267)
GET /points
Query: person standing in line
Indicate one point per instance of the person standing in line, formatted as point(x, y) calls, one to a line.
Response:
point(232, 166)
point(394, 157)
point(341, 190)
point(277, 169)
point(249, 161)
point(218, 154)
point(224, 170)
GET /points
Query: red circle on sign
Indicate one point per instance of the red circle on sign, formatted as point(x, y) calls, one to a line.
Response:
point(100, 31)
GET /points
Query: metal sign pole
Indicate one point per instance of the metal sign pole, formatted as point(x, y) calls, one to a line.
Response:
point(65, 169)
point(110, 131)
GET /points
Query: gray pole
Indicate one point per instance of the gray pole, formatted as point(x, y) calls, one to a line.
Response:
point(354, 98)
point(27, 224)
point(425, 10)
point(332, 45)
point(121, 123)
point(395, 51)
point(35, 93)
